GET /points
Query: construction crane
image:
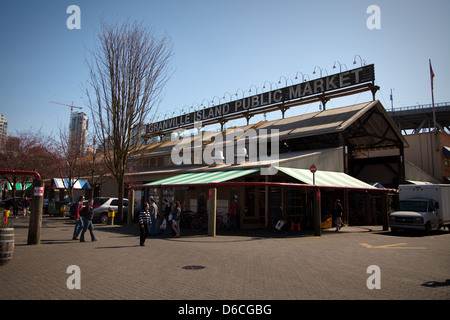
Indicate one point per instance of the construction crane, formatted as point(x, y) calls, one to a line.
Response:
point(71, 106)
point(71, 109)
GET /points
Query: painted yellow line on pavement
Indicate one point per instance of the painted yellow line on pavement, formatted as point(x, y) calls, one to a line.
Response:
point(391, 246)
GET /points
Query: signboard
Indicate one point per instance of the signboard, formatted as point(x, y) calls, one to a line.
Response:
point(313, 169)
point(310, 88)
point(38, 191)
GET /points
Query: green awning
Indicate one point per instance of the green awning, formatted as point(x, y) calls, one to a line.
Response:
point(202, 177)
point(325, 178)
point(18, 186)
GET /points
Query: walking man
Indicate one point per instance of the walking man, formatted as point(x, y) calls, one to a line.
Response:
point(337, 215)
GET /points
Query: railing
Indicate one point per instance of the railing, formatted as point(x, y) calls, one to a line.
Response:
point(420, 106)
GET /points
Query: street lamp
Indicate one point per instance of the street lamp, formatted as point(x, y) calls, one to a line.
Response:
point(340, 66)
point(243, 92)
point(255, 88)
point(203, 104)
point(303, 76)
point(213, 100)
point(285, 79)
point(231, 96)
point(360, 59)
point(271, 83)
point(314, 72)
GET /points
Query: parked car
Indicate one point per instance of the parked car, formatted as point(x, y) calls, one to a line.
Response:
point(104, 204)
point(67, 212)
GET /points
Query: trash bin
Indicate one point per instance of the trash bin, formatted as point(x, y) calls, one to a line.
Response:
point(111, 215)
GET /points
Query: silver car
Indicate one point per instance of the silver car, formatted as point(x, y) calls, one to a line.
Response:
point(104, 204)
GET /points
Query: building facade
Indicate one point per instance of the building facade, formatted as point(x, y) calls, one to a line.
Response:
point(352, 147)
point(3, 126)
point(78, 132)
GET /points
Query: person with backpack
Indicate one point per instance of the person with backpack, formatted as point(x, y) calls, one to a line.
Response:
point(75, 210)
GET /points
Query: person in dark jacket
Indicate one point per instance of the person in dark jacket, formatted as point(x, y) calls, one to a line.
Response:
point(144, 223)
point(78, 220)
point(87, 214)
point(337, 215)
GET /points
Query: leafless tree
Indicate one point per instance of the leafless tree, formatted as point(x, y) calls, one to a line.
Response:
point(31, 151)
point(71, 164)
point(128, 70)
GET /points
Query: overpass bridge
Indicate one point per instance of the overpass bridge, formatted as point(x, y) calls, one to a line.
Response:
point(420, 117)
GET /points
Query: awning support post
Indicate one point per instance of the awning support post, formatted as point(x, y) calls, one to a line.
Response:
point(212, 205)
point(317, 213)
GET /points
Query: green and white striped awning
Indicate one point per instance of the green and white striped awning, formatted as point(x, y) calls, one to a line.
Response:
point(202, 177)
point(18, 186)
point(325, 178)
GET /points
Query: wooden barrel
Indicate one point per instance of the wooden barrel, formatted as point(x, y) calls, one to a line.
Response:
point(6, 245)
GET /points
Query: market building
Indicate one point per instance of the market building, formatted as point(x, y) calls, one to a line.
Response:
point(264, 169)
point(290, 166)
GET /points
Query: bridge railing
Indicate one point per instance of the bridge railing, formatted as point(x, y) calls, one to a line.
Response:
point(421, 106)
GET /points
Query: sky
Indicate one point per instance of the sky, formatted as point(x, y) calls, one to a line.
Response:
point(221, 48)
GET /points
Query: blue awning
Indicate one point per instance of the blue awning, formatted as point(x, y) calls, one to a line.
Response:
point(446, 151)
point(78, 184)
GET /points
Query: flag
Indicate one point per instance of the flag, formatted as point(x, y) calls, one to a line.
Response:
point(431, 76)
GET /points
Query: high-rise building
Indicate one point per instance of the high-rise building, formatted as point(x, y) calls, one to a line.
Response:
point(3, 126)
point(78, 132)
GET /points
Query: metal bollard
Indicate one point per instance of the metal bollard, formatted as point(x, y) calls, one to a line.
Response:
point(111, 215)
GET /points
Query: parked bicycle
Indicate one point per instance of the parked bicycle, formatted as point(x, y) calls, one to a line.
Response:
point(225, 221)
point(200, 222)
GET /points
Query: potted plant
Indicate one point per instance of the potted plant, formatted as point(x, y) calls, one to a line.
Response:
point(6, 239)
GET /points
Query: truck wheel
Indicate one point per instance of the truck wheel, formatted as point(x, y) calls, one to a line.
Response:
point(428, 228)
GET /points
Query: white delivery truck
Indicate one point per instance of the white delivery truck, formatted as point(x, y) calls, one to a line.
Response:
point(422, 207)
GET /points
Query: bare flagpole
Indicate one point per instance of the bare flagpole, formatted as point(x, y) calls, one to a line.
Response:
point(432, 95)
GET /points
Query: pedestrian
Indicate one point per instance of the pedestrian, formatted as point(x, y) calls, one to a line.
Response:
point(26, 205)
point(153, 216)
point(176, 216)
point(165, 217)
point(166, 213)
point(233, 224)
point(337, 214)
point(144, 221)
point(15, 207)
point(78, 221)
point(87, 214)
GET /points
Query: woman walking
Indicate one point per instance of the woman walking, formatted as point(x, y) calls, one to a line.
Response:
point(176, 216)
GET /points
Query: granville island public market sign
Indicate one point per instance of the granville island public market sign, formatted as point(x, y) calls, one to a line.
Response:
point(305, 89)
